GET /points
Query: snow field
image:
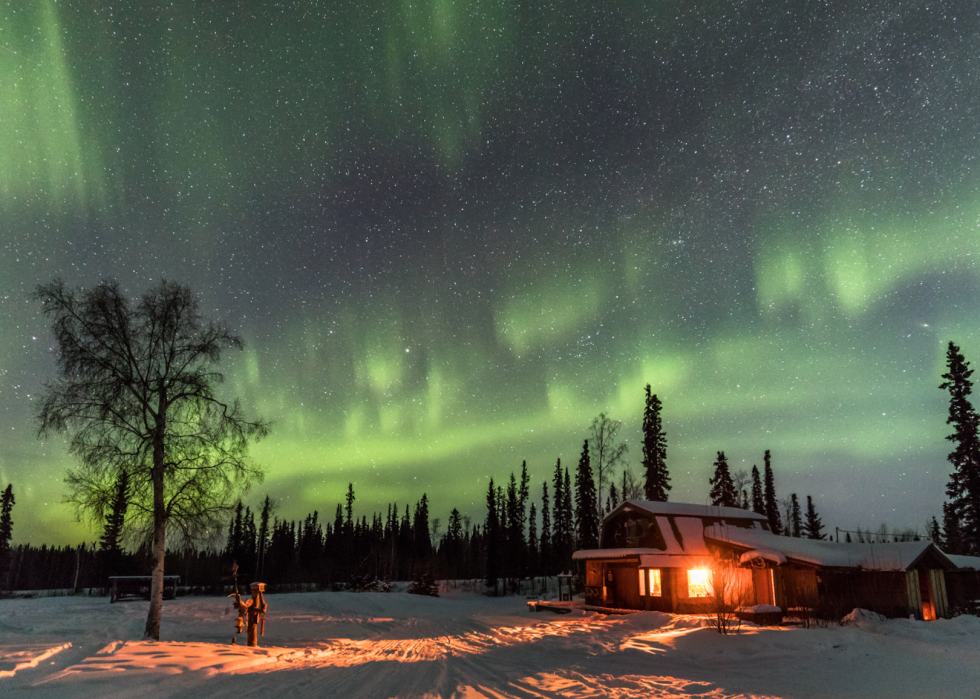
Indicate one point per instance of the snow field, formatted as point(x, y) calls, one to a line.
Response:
point(464, 645)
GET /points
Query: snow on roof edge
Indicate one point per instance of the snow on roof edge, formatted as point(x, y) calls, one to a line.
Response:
point(897, 556)
point(595, 554)
point(684, 509)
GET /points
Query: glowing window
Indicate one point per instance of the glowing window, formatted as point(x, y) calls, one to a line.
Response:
point(655, 589)
point(643, 583)
point(698, 583)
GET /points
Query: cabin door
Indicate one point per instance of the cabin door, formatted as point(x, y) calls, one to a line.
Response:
point(622, 586)
point(762, 579)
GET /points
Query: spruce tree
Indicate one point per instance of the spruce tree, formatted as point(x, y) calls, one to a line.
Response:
point(656, 477)
point(514, 528)
point(935, 533)
point(349, 510)
point(952, 530)
point(420, 529)
point(523, 495)
point(454, 544)
point(532, 542)
point(963, 489)
point(262, 541)
point(6, 532)
point(249, 536)
point(586, 507)
point(795, 520)
point(570, 521)
point(559, 522)
point(492, 532)
point(545, 556)
point(110, 550)
point(769, 496)
point(813, 526)
point(722, 486)
point(758, 498)
point(233, 548)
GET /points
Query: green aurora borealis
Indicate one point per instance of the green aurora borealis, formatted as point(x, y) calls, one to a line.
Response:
point(451, 233)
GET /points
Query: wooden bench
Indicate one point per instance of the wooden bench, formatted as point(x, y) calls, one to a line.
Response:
point(129, 586)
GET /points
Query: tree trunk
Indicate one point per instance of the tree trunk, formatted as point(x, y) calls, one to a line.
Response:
point(156, 580)
point(152, 630)
point(159, 547)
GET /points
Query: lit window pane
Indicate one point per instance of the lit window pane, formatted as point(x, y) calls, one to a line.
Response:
point(643, 586)
point(655, 589)
point(698, 583)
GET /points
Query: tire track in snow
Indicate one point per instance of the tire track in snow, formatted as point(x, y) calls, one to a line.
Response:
point(347, 652)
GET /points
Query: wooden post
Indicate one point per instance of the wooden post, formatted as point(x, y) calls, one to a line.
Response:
point(914, 593)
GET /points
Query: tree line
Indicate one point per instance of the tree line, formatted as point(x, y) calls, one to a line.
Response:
point(136, 396)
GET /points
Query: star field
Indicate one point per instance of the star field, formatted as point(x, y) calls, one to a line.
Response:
point(451, 233)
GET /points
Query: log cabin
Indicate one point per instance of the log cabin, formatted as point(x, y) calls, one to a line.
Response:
point(685, 558)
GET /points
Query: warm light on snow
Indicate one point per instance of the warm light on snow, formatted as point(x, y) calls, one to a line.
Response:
point(26, 657)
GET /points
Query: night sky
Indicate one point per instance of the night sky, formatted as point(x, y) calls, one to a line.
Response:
point(452, 233)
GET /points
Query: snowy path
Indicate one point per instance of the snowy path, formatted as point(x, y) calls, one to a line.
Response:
point(376, 645)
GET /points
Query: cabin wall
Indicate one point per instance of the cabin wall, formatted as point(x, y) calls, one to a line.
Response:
point(962, 590)
point(593, 582)
point(798, 588)
point(613, 584)
point(886, 593)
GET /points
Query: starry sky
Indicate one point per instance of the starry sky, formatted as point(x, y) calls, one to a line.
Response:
point(452, 232)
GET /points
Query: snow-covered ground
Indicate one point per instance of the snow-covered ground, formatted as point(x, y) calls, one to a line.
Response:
point(338, 644)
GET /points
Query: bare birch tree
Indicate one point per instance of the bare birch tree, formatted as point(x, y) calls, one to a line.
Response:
point(607, 451)
point(135, 393)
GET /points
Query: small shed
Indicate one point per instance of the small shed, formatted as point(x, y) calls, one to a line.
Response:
point(894, 579)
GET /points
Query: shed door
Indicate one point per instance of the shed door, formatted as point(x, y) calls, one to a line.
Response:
point(937, 592)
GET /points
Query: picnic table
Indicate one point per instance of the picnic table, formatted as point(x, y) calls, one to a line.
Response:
point(128, 586)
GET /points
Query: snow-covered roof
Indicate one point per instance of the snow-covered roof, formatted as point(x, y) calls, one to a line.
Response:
point(763, 555)
point(594, 554)
point(692, 532)
point(964, 561)
point(662, 560)
point(892, 556)
point(673, 545)
point(649, 558)
point(684, 509)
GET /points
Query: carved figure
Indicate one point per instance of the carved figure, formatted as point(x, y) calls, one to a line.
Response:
point(251, 614)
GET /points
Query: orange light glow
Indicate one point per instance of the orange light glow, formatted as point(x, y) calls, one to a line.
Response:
point(171, 656)
point(699, 583)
